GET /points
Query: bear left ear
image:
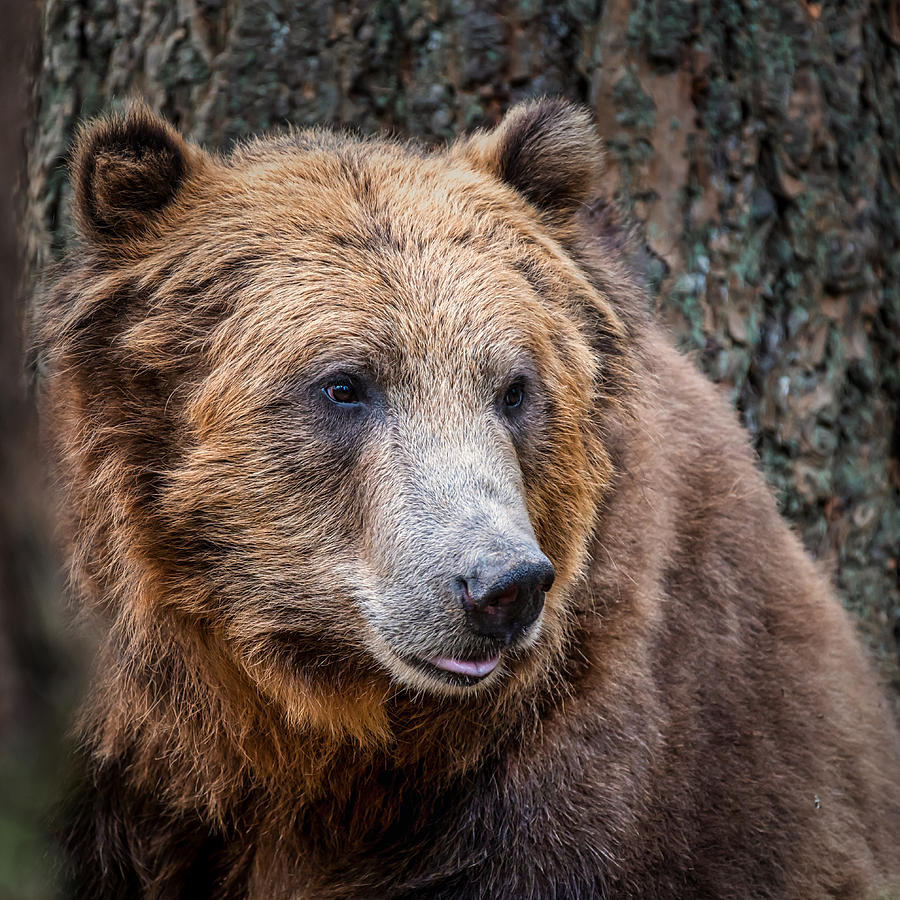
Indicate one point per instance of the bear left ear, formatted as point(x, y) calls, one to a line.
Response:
point(548, 150)
point(127, 171)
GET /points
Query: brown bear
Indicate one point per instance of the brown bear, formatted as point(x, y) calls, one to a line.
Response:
point(425, 566)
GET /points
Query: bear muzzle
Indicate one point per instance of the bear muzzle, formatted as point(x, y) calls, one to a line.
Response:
point(466, 579)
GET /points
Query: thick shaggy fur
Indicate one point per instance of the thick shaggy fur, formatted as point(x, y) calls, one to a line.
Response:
point(691, 716)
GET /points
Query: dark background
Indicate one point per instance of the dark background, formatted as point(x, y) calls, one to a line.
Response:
point(757, 144)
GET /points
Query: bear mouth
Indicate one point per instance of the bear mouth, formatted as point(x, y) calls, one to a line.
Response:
point(458, 671)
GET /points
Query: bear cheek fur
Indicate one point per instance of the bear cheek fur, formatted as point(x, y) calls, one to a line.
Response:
point(276, 505)
point(567, 472)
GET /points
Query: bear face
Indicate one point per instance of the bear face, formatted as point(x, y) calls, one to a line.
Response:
point(349, 395)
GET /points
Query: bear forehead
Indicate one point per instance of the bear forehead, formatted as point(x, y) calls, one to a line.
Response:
point(363, 196)
point(383, 311)
point(379, 252)
point(357, 182)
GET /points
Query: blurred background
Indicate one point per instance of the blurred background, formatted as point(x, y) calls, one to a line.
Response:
point(756, 145)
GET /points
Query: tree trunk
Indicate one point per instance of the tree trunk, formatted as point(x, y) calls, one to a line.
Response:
point(755, 142)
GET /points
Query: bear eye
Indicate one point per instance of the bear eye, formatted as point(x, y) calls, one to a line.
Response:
point(514, 396)
point(342, 392)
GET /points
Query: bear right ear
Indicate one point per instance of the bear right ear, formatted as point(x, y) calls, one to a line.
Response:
point(547, 150)
point(127, 170)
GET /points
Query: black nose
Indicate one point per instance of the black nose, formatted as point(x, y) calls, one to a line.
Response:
point(503, 598)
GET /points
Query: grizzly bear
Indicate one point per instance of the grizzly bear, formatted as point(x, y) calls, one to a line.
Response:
point(425, 566)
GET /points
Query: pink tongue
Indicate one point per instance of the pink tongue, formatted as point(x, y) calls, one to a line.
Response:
point(476, 667)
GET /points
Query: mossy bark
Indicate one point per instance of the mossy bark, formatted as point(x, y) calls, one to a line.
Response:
point(756, 142)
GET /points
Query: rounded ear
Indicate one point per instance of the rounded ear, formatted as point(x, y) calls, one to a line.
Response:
point(548, 150)
point(126, 170)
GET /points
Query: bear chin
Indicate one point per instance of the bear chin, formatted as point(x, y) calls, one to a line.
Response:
point(455, 673)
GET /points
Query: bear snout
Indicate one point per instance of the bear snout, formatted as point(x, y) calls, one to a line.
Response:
point(503, 595)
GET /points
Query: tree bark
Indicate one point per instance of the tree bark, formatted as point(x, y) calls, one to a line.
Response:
point(756, 143)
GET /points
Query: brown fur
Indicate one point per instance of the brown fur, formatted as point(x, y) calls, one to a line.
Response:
point(690, 717)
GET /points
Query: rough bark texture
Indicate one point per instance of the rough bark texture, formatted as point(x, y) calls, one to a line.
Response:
point(755, 142)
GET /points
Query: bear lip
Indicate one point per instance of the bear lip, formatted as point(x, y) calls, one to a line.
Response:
point(476, 668)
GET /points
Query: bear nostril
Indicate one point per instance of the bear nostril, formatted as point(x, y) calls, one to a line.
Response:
point(507, 598)
point(487, 600)
point(467, 601)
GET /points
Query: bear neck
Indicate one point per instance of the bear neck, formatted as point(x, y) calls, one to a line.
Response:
point(194, 722)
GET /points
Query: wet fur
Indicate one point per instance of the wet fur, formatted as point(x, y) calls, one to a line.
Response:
point(694, 718)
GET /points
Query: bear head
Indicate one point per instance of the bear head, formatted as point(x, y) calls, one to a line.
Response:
point(335, 405)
